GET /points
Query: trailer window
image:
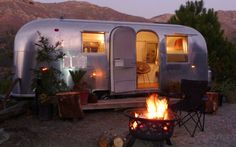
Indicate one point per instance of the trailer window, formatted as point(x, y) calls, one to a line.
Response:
point(93, 42)
point(177, 48)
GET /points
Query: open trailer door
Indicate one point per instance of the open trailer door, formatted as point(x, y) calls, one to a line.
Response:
point(123, 60)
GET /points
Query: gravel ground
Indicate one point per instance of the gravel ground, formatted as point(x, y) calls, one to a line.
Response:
point(28, 131)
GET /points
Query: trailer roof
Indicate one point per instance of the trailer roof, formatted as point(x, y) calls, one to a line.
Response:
point(113, 22)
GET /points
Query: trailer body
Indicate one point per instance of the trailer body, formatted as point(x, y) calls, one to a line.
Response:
point(119, 57)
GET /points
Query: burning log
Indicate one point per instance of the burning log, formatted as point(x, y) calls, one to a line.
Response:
point(103, 141)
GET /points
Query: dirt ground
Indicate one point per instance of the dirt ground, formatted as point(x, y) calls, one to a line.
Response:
point(28, 131)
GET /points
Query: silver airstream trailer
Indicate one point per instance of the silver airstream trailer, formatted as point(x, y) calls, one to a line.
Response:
point(119, 57)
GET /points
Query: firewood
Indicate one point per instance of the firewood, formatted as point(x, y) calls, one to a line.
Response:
point(118, 142)
point(13, 111)
point(103, 141)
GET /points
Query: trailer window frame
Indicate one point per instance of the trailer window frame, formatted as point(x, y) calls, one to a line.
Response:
point(93, 46)
point(177, 49)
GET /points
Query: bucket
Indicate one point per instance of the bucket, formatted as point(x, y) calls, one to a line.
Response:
point(45, 112)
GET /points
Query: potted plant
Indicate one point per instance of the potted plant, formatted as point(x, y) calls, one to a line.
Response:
point(76, 76)
point(82, 87)
point(47, 78)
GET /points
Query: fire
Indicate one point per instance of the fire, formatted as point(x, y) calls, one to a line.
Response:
point(134, 125)
point(44, 69)
point(165, 128)
point(156, 108)
point(136, 115)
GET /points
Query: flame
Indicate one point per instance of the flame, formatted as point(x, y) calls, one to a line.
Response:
point(156, 108)
point(134, 125)
point(44, 69)
point(136, 114)
point(165, 128)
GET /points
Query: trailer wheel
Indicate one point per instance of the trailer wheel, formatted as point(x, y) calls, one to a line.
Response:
point(105, 97)
point(102, 95)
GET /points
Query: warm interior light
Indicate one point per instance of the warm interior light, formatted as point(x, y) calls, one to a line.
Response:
point(101, 38)
point(178, 44)
point(193, 66)
point(93, 42)
point(156, 107)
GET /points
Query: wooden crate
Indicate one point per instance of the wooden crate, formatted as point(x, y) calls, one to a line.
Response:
point(69, 105)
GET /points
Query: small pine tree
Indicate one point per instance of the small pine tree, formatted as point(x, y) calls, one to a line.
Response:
point(49, 76)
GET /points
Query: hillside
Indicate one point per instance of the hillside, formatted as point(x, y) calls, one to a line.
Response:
point(15, 13)
point(227, 20)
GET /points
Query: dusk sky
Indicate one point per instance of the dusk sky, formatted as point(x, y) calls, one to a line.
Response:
point(151, 8)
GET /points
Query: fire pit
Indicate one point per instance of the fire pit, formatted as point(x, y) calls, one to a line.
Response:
point(156, 123)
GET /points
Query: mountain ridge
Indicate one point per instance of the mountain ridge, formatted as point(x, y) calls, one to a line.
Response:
point(15, 13)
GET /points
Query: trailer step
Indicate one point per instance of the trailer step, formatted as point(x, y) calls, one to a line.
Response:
point(119, 103)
